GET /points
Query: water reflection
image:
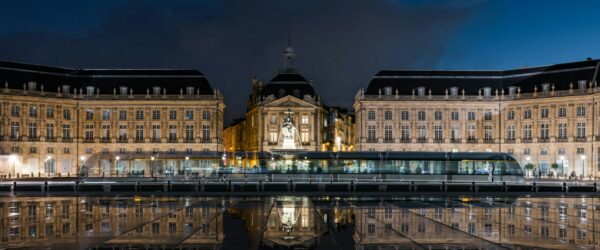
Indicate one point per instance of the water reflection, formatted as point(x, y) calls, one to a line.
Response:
point(298, 222)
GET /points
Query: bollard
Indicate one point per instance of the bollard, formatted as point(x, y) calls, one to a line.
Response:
point(412, 186)
point(504, 186)
point(473, 187)
point(46, 186)
point(169, 186)
point(534, 187)
point(14, 186)
point(565, 187)
point(443, 186)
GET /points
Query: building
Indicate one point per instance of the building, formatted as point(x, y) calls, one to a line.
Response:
point(288, 94)
point(340, 132)
point(541, 115)
point(104, 121)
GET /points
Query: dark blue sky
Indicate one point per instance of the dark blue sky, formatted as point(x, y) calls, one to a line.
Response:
point(340, 43)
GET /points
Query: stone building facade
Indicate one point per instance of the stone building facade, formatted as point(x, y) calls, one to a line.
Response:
point(541, 115)
point(61, 121)
point(288, 93)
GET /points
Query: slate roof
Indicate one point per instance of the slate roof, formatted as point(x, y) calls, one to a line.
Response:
point(288, 82)
point(16, 74)
point(561, 75)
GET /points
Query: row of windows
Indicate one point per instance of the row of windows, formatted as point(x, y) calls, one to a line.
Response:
point(544, 132)
point(106, 114)
point(471, 115)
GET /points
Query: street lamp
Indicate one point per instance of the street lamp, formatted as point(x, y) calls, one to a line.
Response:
point(117, 158)
point(562, 164)
point(13, 158)
point(583, 159)
point(528, 159)
point(186, 166)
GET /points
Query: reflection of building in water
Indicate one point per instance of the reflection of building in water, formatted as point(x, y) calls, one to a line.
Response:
point(293, 221)
point(114, 222)
point(532, 222)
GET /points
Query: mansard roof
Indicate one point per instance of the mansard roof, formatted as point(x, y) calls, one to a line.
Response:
point(17, 74)
point(288, 82)
point(559, 75)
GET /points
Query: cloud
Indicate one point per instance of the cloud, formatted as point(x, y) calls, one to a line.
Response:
point(340, 44)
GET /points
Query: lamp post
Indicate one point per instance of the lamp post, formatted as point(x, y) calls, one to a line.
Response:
point(562, 165)
point(82, 158)
point(186, 165)
point(117, 158)
point(583, 170)
point(151, 166)
point(528, 159)
point(13, 158)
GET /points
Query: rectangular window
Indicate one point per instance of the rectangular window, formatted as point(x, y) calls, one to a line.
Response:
point(562, 131)
point(33, 111)
point(511, 115)
point(471, 132)
point(404, 115)
point(387, 133)
point(89, 115)
point(454, 133)
point(172, 114)
point(49, 112)
point(487, 133)
point(155, 132)
point(122, 115)
point(371, 115)
point(122, 132)
point(527, 114)
point(172, 132)
point(405, 133)
point(437, 115)
point(371, 133)
point(155, 114)
point(206, 133)
point(487, 115)
point(66, 114)
point(33, 132)
point(106, 115)
point(421, 115)
point(527, 131)
point(139, 114)
point(454, 115)
point(562, 112)
point(471, 116)
point(66, 131)
point(544, 113)
point(15, 130)
point(49, 130)
point(273, 137)
point(15, 111)
point(544, 131)
point(139, 132)
point(438, 136)
point(189, 114)
point(206, 115)
point(105, 132)
point(580, 111)
point(189, 132)
point(510, 134)
point(304, 119)
point(387, 115)
point(422, 132)
point(89, 132)
point(581, 130)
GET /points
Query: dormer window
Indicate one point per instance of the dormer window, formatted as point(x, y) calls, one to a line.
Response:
point(545, 87)
point(296, 93)
point(66, 89)
point(421, 91)
point(123, 90)
point(387, 90)
point(89, 90)
point(512, 90)
point(454, 91)
point(189, 90)
point(487, 91)
point(281, 93)
point(31, 86)
point(581, 84)
point(155, 90)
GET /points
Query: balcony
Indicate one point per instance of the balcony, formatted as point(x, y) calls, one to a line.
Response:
point(205, 140)
point(155, 140)
point(527, 140)
point(122, 140)
point(580, 139)
point(188, 140)
point(67, 139)
point(405, 140)
point(33, 138)
point(272, 143)
point(138, 140)
point(105, 140)
point(488, 140)
point(544, 139)
point(471, 140)
point(15, 138)
point(421, 140)
point(172, 140)
point(510, 140)
point(371, 140)
point(562, 139)
point(455, 140)
point(438, 140)
point(388, 140)
point(51, 139)
point(88, 139)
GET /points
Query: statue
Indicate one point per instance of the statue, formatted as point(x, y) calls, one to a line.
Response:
point(288, 132)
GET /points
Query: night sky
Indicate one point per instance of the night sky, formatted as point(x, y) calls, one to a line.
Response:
point(340, 44)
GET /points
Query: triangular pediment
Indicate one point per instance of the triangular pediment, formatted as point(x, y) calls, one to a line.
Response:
point(289, 101)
